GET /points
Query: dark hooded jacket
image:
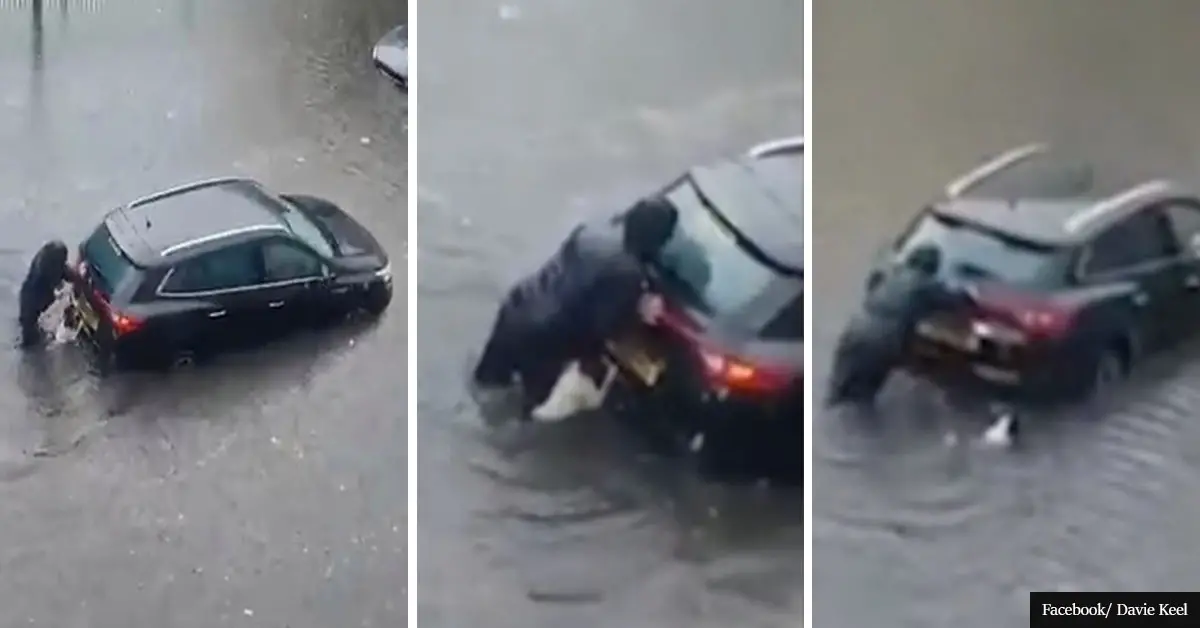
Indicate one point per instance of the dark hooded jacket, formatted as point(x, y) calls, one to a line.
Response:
point(582, 294)
point(902, 298)
point(875, 340)
point(47, 271)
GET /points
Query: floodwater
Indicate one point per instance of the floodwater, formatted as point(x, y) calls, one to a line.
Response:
point(265, 489)
point(533, 116)
point(908, 531)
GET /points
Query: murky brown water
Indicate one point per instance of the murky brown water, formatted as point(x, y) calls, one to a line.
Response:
point(907, 95)
point(533, 116)
point(269, 488)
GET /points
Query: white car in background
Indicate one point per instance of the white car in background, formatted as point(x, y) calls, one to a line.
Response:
point(391, 56)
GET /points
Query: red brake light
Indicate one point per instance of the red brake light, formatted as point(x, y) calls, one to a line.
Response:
point(1035, 317)
point(122, 324)
point(742, 376)
point(724, 371)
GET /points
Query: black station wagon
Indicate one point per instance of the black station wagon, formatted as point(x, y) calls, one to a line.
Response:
point(218, 264)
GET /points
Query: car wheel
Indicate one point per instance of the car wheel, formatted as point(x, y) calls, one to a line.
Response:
point(182, 359)
point(377, 300)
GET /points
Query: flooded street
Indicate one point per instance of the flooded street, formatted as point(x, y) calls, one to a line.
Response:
point(265, 489)
point(532, 117)
point(907, 96)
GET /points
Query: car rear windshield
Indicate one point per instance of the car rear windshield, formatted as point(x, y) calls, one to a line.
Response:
point(972, 252)
point(704, 260)
point(108, 266)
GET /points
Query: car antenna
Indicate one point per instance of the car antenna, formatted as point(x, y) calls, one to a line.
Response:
point(148, 225)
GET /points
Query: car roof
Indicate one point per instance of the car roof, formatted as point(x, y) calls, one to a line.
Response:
point(192, 219)
point(763, 198)
point(1040, 221)
point(1046, 197)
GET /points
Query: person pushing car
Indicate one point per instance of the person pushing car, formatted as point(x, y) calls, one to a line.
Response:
point(47, 271)
point(874, 342)
point(588, 292)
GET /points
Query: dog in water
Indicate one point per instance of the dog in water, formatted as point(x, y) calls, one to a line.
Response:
point(575, 391)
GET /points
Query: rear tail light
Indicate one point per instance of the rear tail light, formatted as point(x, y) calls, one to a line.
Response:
point(724, 371)
point(122, 324)
point(1038, 318)
point(731, 373)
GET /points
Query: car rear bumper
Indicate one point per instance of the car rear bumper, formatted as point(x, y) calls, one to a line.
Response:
point(686, 408)
point(1045, 380)
point(107, 347)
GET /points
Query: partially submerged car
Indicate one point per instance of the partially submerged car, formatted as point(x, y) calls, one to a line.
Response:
point(218, 264)
point(391, 56)
point(1077, 278)
point(726, 366)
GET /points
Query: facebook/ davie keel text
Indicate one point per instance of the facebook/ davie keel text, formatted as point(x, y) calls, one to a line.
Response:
point(1111, 609)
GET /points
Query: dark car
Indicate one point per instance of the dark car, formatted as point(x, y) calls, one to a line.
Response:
point(728, 361)
point(391, 56)
point(219, 264)
point(1076, 278)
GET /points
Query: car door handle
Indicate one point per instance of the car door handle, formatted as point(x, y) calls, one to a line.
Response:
point(217, 314)
point(1141, 299)
point(275, 304)
point(1191, 282)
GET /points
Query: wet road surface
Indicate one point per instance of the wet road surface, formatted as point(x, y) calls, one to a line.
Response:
point(269, 488)
point(909, 94)
point(532, 117)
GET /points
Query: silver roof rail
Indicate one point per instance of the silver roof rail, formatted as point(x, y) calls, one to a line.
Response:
point(1116, 201)
point(187, 187)
point(175, 248)
point(991, 168)
point(781, 146)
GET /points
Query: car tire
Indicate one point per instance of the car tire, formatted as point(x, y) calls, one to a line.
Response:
point(377, 300)
point(181, 360)
point(1109, 368)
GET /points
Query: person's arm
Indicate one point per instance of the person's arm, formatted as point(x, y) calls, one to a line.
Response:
point(70, 275)
point(615, 305)
point(943, 297)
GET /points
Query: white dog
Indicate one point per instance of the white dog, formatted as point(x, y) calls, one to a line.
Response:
point(574, 392)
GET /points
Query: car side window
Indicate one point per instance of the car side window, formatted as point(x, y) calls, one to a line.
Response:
point(1185, 224)
point(230, 268)
point(285, 261)
point(1137, 240)
point(788, 324)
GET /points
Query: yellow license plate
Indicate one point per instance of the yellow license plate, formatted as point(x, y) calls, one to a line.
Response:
point(87, 316)
point(959, 339)
point(638, 361)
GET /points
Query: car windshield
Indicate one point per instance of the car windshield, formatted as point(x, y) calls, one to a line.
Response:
point(307, 230)
point(977, 253)
point(704, 260)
